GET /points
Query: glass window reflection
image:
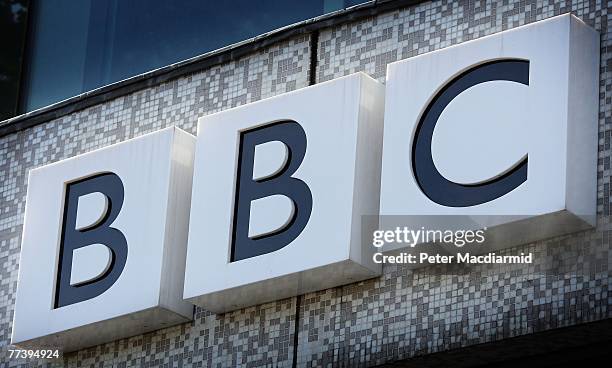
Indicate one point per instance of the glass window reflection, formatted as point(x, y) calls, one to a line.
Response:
point(78, 46)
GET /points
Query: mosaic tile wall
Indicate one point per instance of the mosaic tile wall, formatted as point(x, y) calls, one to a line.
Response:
point(261, 334)
point(400, 314)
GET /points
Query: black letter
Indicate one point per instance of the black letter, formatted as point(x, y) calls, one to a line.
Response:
point(293, 136)
point(111, 186)
point(432, 183)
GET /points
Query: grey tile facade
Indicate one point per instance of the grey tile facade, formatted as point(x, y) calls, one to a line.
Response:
point(398, 315)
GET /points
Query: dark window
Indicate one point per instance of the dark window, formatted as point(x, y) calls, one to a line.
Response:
point(12, 28)
point(77, 46)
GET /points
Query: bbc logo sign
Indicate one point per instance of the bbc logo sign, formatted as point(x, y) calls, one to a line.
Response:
point(268, 201)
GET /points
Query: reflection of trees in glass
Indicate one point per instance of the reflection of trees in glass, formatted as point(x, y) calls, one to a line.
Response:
point(12, 31)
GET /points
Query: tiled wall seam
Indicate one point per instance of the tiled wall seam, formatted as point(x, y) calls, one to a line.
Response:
point(398, 315)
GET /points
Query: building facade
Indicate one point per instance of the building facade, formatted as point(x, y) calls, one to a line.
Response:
point(394, 318)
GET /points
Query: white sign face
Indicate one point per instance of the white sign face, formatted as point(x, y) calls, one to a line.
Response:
point(280, 187)
point(501, 130)
point(104, 241)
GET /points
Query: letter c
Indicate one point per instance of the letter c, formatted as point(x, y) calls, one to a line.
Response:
point(435, 186)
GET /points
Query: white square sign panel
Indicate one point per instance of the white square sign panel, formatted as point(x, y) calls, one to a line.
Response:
point(499, 132)
point(104, 241)
point(280, 188)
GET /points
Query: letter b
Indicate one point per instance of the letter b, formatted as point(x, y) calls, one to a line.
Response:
point(73, 238)
point(249, 189)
